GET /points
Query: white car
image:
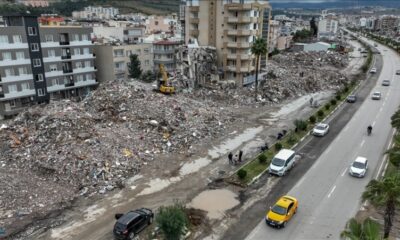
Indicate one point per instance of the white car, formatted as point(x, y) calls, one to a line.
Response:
point(321, 129)
point(376, 96)
point(359, 167)
point(373, 70)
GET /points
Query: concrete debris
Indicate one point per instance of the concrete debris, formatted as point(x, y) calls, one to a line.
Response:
point(54, 153)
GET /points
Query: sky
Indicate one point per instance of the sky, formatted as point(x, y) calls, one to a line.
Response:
point(333, 3)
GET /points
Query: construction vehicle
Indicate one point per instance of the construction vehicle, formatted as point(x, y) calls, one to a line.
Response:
point(163, 84)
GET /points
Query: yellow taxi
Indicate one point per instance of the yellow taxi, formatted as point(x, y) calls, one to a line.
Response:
point(283, 210)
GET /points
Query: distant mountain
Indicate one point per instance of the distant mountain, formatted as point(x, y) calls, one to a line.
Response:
point(320, 4)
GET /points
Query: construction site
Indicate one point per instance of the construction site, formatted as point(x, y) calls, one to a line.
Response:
point(56, 156)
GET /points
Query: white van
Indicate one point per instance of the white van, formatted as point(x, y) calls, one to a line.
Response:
point(282, 162)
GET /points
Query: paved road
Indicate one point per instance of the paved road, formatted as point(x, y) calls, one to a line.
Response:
point(327, 195)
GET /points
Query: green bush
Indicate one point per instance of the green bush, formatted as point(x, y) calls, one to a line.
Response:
point(262, 159)
point(313, 119)
point(333, 102)
point(327, 106)
point(242, 173)
point(172, 220)
point(346, 89)
point(338, 97)
point(320, 113)
point(300, 124)
point(292, 139)
point(278, 146)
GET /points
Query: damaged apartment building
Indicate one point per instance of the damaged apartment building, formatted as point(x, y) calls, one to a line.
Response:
point(39, 64)
point(230, 26)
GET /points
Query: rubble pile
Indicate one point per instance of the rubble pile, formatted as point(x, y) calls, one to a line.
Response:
point(92, 146)
point(295, 74)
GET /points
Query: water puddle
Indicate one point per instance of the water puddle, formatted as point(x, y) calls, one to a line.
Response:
point(193, 166)
point(215, 202)
point(158, 184)
point(235, 142)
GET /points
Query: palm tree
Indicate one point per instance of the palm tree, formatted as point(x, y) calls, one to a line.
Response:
point(258, 48)
point(385, 192)
point(394, 152)
point(366, 230)
point(395, 119)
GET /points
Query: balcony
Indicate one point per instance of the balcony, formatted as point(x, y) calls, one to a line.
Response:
point(83, 56)
point(68, 56)
point(231, 68)
point(81, 43)
point(63, 43)
point(194, 32)
point(232, 56)
point(164, 51)
point(240, 32)
point(88, 82)
point(5, 46)
point(9, 79)
point(238, 7)
point(194, 20)
point(67, 70)
point(19, 94)
point(70, 84)
point(247, 69)
point(194, 8)
point(23, 61)
point(85, 69)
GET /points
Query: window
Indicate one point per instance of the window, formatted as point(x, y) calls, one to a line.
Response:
point(53, 67)
point(78, 65)
point(20, 55)
point(9, 72)
point(34, 47)
point(138, 51)
point(36, 62)
point(39, 77)
point(51, 53)
point(40, 92)
point(85, 37)
point(118, 53)
point(17, 39)
point(22, 71)
point(79, 78)
point(88, 76)
point(32, 31)
point(77, 51)
point(12, 88)
point(146, 50)
point(128, 53)
point(75, 37)
point(24, 86)
point(87, 64)
point(48, 38)
point(3, 39)
point(86, 51)
point(54, 82)
point(7, 56)
point(146, 62)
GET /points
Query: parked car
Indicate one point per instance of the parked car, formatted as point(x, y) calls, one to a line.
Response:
point(283, 210)
point(376, 96)
point(130, 224)
point(386, 83)
point(351, 98)
point(282, 162)
point(398, 72)
point(321, 129)
point(373, 70)
point(359, 167)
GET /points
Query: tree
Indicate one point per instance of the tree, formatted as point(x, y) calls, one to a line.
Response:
point(134, 67)
point(395, 119)
point(172, 221)
point(366, 230)
point(258, 48)
point(148, 76)
point(385, 193)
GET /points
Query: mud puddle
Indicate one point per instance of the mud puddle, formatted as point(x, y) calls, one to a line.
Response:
point(215, 202)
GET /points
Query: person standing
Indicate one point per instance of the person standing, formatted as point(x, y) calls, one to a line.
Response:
point(240, 155)
point(230, 157)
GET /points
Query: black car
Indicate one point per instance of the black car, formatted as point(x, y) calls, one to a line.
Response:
point(351, 98)
point(128, 225)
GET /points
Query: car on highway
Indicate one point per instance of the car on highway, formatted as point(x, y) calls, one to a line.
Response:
point(283, 210)
point(282, 162)
point(359, 167)
point(130, 224)
point(373, 70)
point(398, 72)
point(351, 98)
point(386, 82)
point(321, 129)
point(376, 96)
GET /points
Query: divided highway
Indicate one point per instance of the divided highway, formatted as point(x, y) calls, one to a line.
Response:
point(328, 196)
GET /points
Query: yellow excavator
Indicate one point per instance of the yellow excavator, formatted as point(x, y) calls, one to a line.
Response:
point(163, 85)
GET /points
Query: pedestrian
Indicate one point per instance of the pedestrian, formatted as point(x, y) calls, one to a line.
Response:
point(230, 158)
point(311, 101)
point(240, 155)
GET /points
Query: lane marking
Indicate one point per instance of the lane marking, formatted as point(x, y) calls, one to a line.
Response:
point(344, 172)
point(373, 124)
point(333, 189)
point(385, 156)
point(362, 143)
point(346, 128)
point(380, 110)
